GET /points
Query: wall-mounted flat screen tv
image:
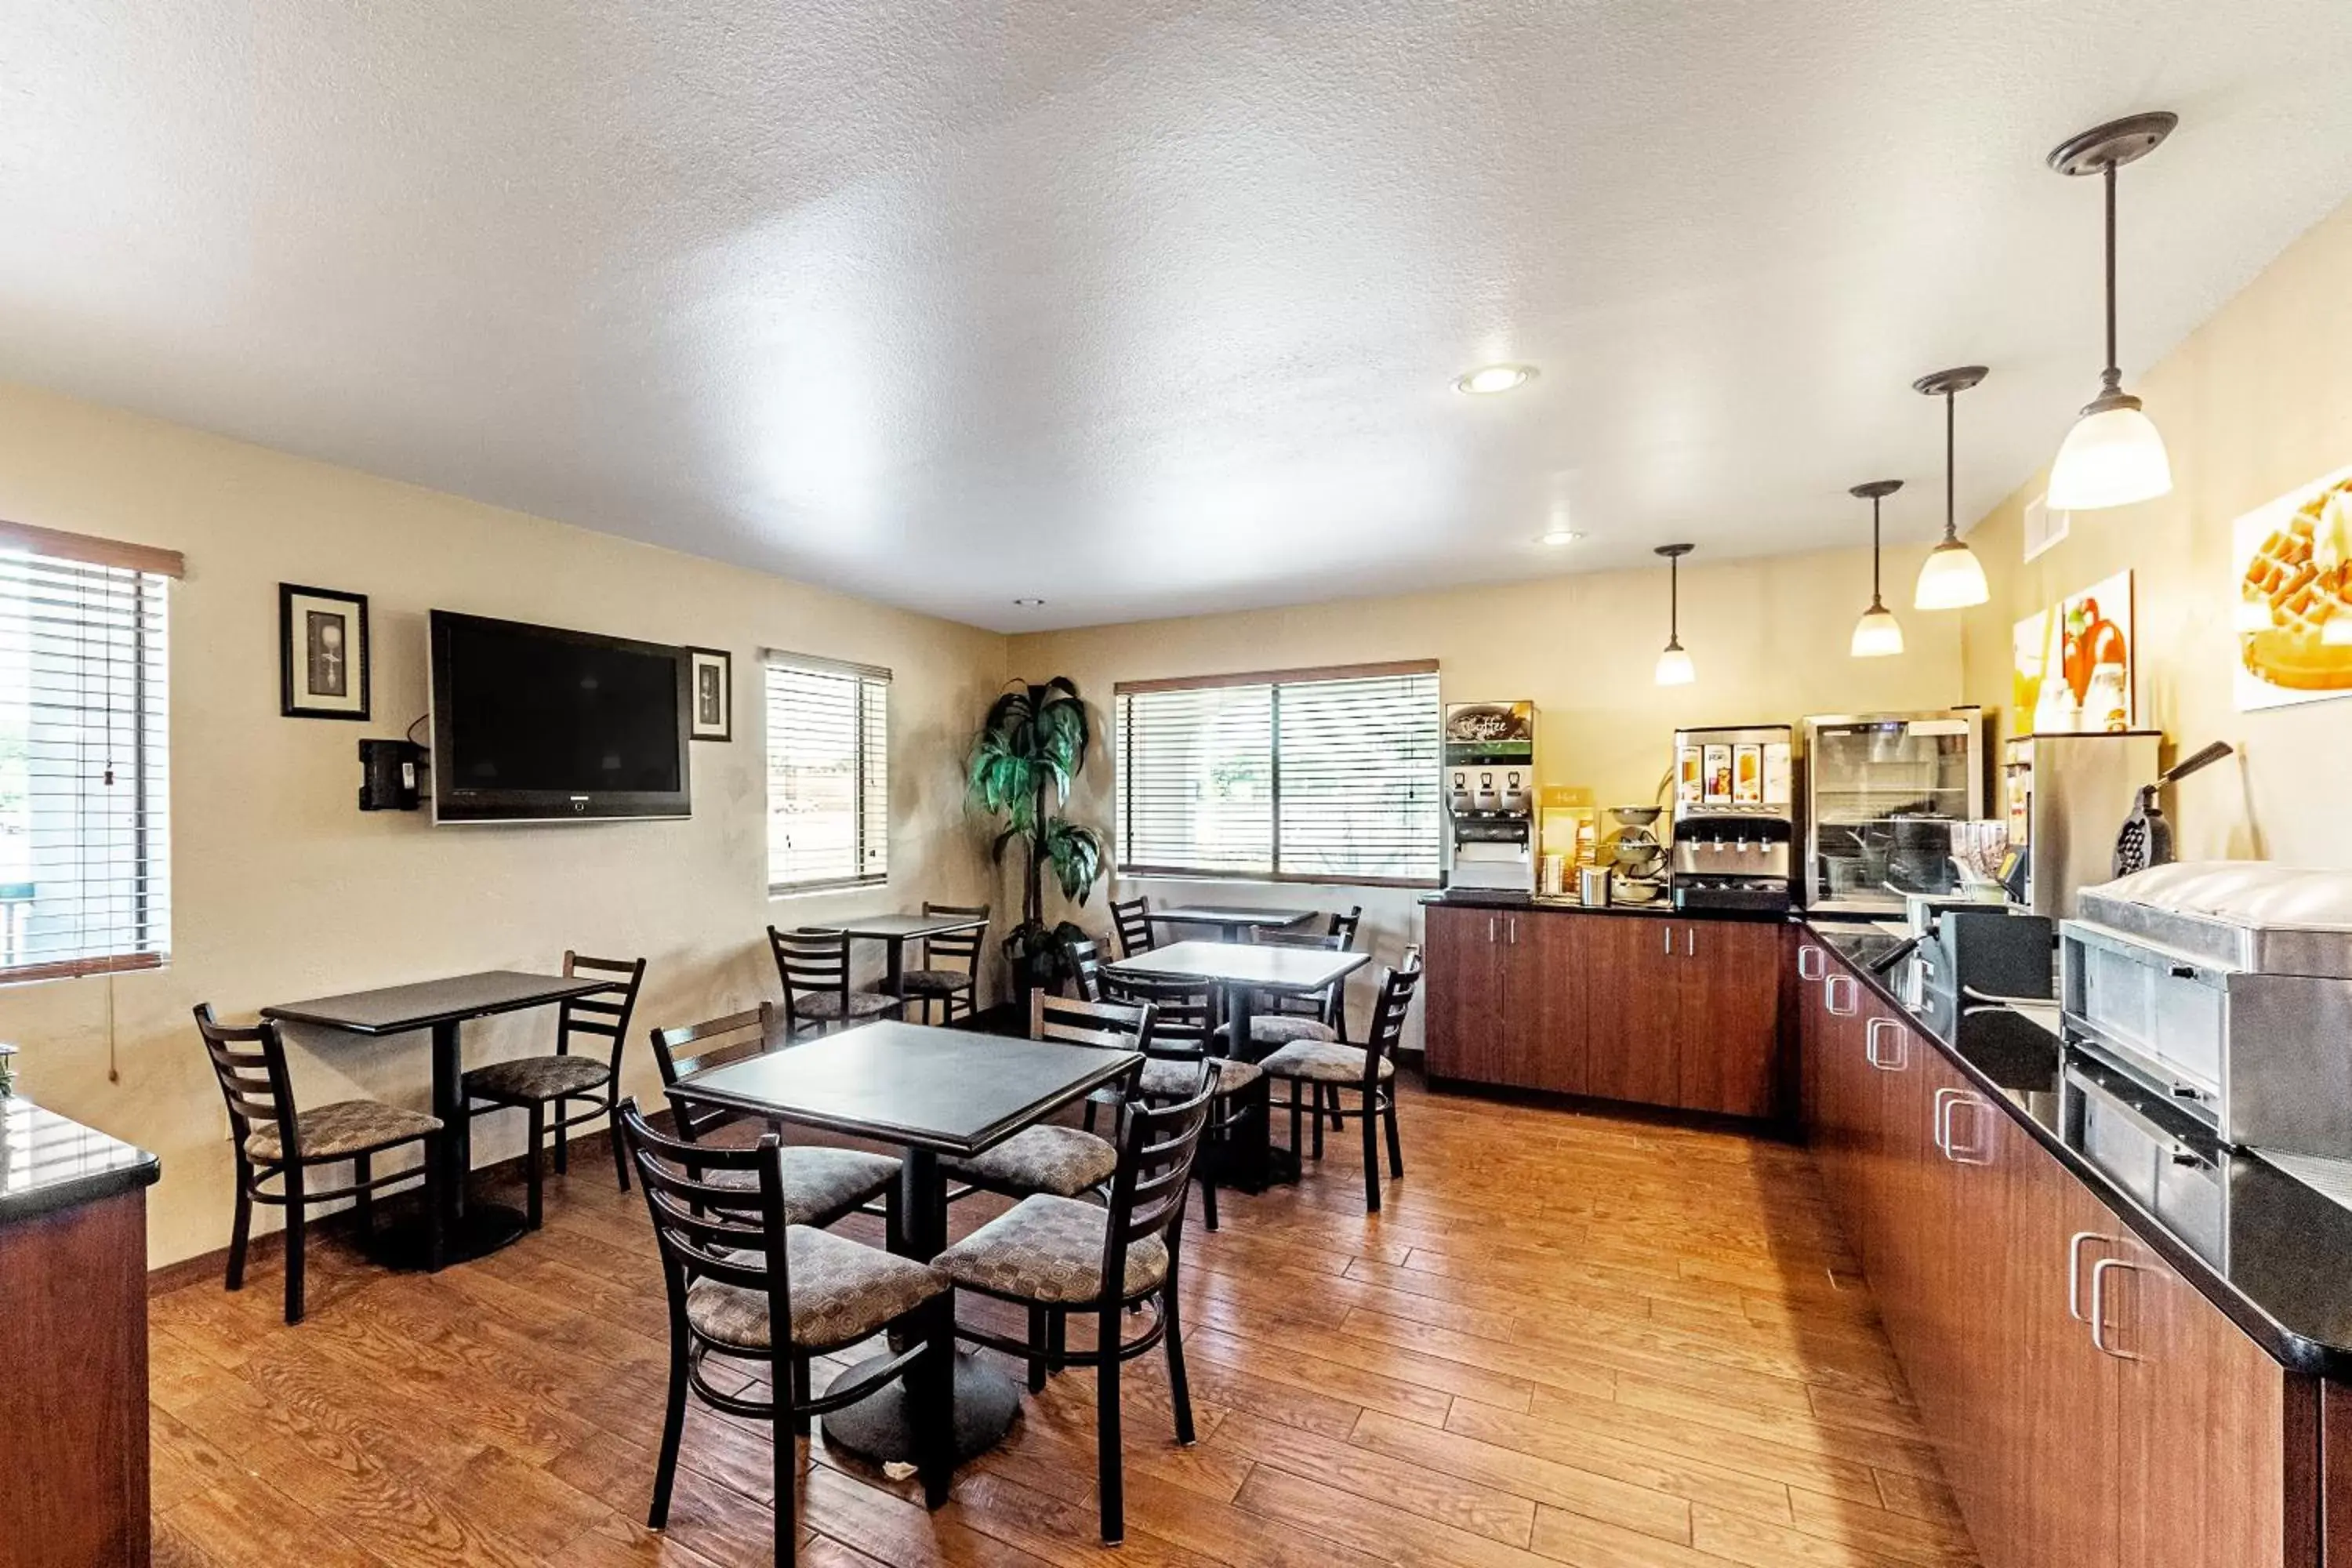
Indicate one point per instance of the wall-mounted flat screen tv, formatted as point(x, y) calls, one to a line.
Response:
point(537, 724)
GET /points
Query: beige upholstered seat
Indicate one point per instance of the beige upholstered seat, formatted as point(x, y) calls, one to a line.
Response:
point(842, 1290)
point(1321, 1061)
point(1047, 1158)
point(935, 982)
point(821, 1184)
point(536, 1078)
point(347, 1126)
point(1175, 1081)
point(1049, 1250)
point(1281, 1029)
point(827, 1006)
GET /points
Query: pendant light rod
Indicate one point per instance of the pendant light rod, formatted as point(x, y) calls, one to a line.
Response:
point(2111, 380)
point(1951, 578)
point(1948, 384)
point(1876, 491)
point(1674, 554)
point(2102, 151)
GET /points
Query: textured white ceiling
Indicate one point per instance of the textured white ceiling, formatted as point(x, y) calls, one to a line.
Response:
point(1141, 308)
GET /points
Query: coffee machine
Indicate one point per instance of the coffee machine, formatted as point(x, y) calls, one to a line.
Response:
point(1735, 818)
point(1489, 755)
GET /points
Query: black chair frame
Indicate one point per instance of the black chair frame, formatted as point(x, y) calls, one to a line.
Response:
point(1376, 1097)
point(959, 949)
point(1185, 1029)
point(814, 960)
point(598, 1014)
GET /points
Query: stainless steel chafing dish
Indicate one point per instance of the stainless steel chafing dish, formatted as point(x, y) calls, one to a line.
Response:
point(2226, 986)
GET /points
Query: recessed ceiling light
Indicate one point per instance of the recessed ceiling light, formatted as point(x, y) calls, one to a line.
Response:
point(1559, 536)
point(1489, 379)
point(1028, 603)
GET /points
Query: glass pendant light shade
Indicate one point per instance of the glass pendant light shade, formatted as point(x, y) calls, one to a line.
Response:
point(1878, 635)
point(1951, 578)
point(2112, 456)
point(1674, 667)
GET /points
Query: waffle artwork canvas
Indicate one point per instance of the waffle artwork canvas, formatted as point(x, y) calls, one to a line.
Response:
point(2294, 564)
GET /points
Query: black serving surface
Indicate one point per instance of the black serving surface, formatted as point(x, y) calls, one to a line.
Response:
point(1504, 899)
point(2280, 1266)
point(49, 1162)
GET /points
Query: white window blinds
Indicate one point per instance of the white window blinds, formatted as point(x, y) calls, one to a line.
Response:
point(1318, 776)
point(828, 774)
point(85, 790)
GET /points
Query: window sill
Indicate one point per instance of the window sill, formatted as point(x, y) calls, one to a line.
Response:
point(1268, 879)
point(77, 968)
point(834, 884)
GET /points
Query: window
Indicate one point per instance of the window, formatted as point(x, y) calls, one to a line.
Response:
point(828, 774)
point(1327, 775)
point(85, 846)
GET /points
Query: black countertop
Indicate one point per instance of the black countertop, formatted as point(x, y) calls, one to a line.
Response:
point(2276, 1258)
point(48, 1162)
point(1504, 899)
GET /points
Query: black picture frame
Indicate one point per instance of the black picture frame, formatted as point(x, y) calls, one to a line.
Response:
point(323, 645)
point(721, 662)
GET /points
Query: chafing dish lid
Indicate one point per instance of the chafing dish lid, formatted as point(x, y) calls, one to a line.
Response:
point(2247, 914)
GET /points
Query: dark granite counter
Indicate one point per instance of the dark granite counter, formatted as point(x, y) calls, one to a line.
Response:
point(1501, 899)
point(49, 1162)
point(2274, 1254)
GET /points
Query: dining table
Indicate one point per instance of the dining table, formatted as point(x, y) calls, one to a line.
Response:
point(930, 1091)
point(1242, 971)
point(894, 931)
point(1231, 922)
point(444, 1006)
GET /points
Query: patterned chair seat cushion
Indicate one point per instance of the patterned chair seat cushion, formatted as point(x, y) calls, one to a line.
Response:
point(1047, 1158)
point(821, 1184)
point(1281, 1029)
point(827, 1006)
point(347, 1126)
point(842, 1292)
point(1049, 1250)
point(1321, 1061)
point(528, 1079)
point(1175, 1080)
point(935, 982)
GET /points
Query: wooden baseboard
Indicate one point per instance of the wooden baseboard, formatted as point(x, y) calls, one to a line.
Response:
point(596, 1148)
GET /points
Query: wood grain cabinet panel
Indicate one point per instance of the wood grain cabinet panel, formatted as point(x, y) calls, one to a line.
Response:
point(1461, 1026)
point(1633, 1009)
point(1727, 1026)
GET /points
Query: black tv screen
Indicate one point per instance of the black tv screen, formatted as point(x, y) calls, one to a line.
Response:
point(533, 723)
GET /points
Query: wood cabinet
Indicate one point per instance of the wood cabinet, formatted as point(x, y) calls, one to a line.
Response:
point(1656, 1010)
point(2090, 1408)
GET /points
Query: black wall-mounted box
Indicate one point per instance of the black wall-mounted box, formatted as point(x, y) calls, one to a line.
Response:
point(389, 773)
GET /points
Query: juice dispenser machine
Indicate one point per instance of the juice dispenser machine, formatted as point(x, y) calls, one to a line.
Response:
point(1489, 754)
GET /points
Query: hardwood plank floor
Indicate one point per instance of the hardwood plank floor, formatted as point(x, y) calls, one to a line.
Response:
point(1566, 1339)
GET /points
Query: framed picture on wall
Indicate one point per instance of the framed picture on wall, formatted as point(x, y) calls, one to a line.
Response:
point(713, 694)
point(322, 653)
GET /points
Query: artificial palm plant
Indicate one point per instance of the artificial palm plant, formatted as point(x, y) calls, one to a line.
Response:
point(1030, 747)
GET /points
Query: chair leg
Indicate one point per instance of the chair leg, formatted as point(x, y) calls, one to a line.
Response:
point(435, 1239)
point(1294, 1127)
point(531, 1178)
point(295, 1224)
point(1057, 1340)
point(241, 1228)
point(1109, 1476)
point(1396, 1144)
point(1040, 1348)
point(613, 1131)
point(1371, 1158)
point(562, 1141)
point(1318, 1119)
point(787, 1463)
point(801, 1393)
point(673, 1426)
point(363, 1204)
point(1180, 1388)
point(933, 1388)
point(1208, 1199)
point(1338, 1122)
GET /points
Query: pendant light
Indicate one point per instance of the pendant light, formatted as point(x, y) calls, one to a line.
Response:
point(1951, 578)
point(1674, 667)
point(1879, 634)
point(2113, 456)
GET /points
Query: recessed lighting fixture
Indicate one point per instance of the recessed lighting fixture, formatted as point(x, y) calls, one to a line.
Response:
point(1559, 536)
point(1028, 603)
point(1489, 380)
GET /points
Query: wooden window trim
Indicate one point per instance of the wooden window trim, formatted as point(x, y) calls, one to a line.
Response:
point(88, 550)
point(75, 968)
point(1178, 874)
point(1279, 677)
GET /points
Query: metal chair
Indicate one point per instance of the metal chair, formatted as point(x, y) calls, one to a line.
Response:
point(273, 1139)
point(1185, 1033)
point(1367, 1070)
point(1048, 1158)
point(1085, 968)
point(950, 972)
point(813, 965)
point(533, 1084)
point(1132, 921)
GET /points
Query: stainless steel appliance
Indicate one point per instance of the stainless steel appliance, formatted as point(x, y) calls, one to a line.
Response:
point(2064, 795)
point(1969, 952)
point(1881, 791)
point(1735, 818)
point(2226, 988)
point(2170, 1171)
point(1489, 760)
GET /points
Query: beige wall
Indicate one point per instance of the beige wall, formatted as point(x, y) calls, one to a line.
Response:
point(282, 888)
point(2258, 400)
point(1769, 636)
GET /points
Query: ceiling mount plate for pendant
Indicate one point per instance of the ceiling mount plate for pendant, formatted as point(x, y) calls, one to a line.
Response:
point(2114, 145)
point(1958, 379)
point(1673, 552)
point(1875, 489)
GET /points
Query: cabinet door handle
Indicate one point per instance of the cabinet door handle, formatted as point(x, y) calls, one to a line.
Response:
point(1690, 941)
point(1870, 1045)
point(2099, 1306)
point(1512, 922)
point(2074, 1273)
point(1954, 1149)
point(1941, 1117)
point(1830, 995)
point(1820, 965)
point(1669, 934)
point(1490, 930)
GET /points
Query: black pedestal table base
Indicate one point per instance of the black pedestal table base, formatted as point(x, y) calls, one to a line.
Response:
point(881, 1426)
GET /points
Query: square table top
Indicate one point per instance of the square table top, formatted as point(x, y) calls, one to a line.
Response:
point(396, 1009)
point(904, 928)
point(1213, 915)
point(955, 1091)
point(1244, 964)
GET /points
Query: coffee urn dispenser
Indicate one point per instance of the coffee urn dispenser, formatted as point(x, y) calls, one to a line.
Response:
point(1489, 759)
